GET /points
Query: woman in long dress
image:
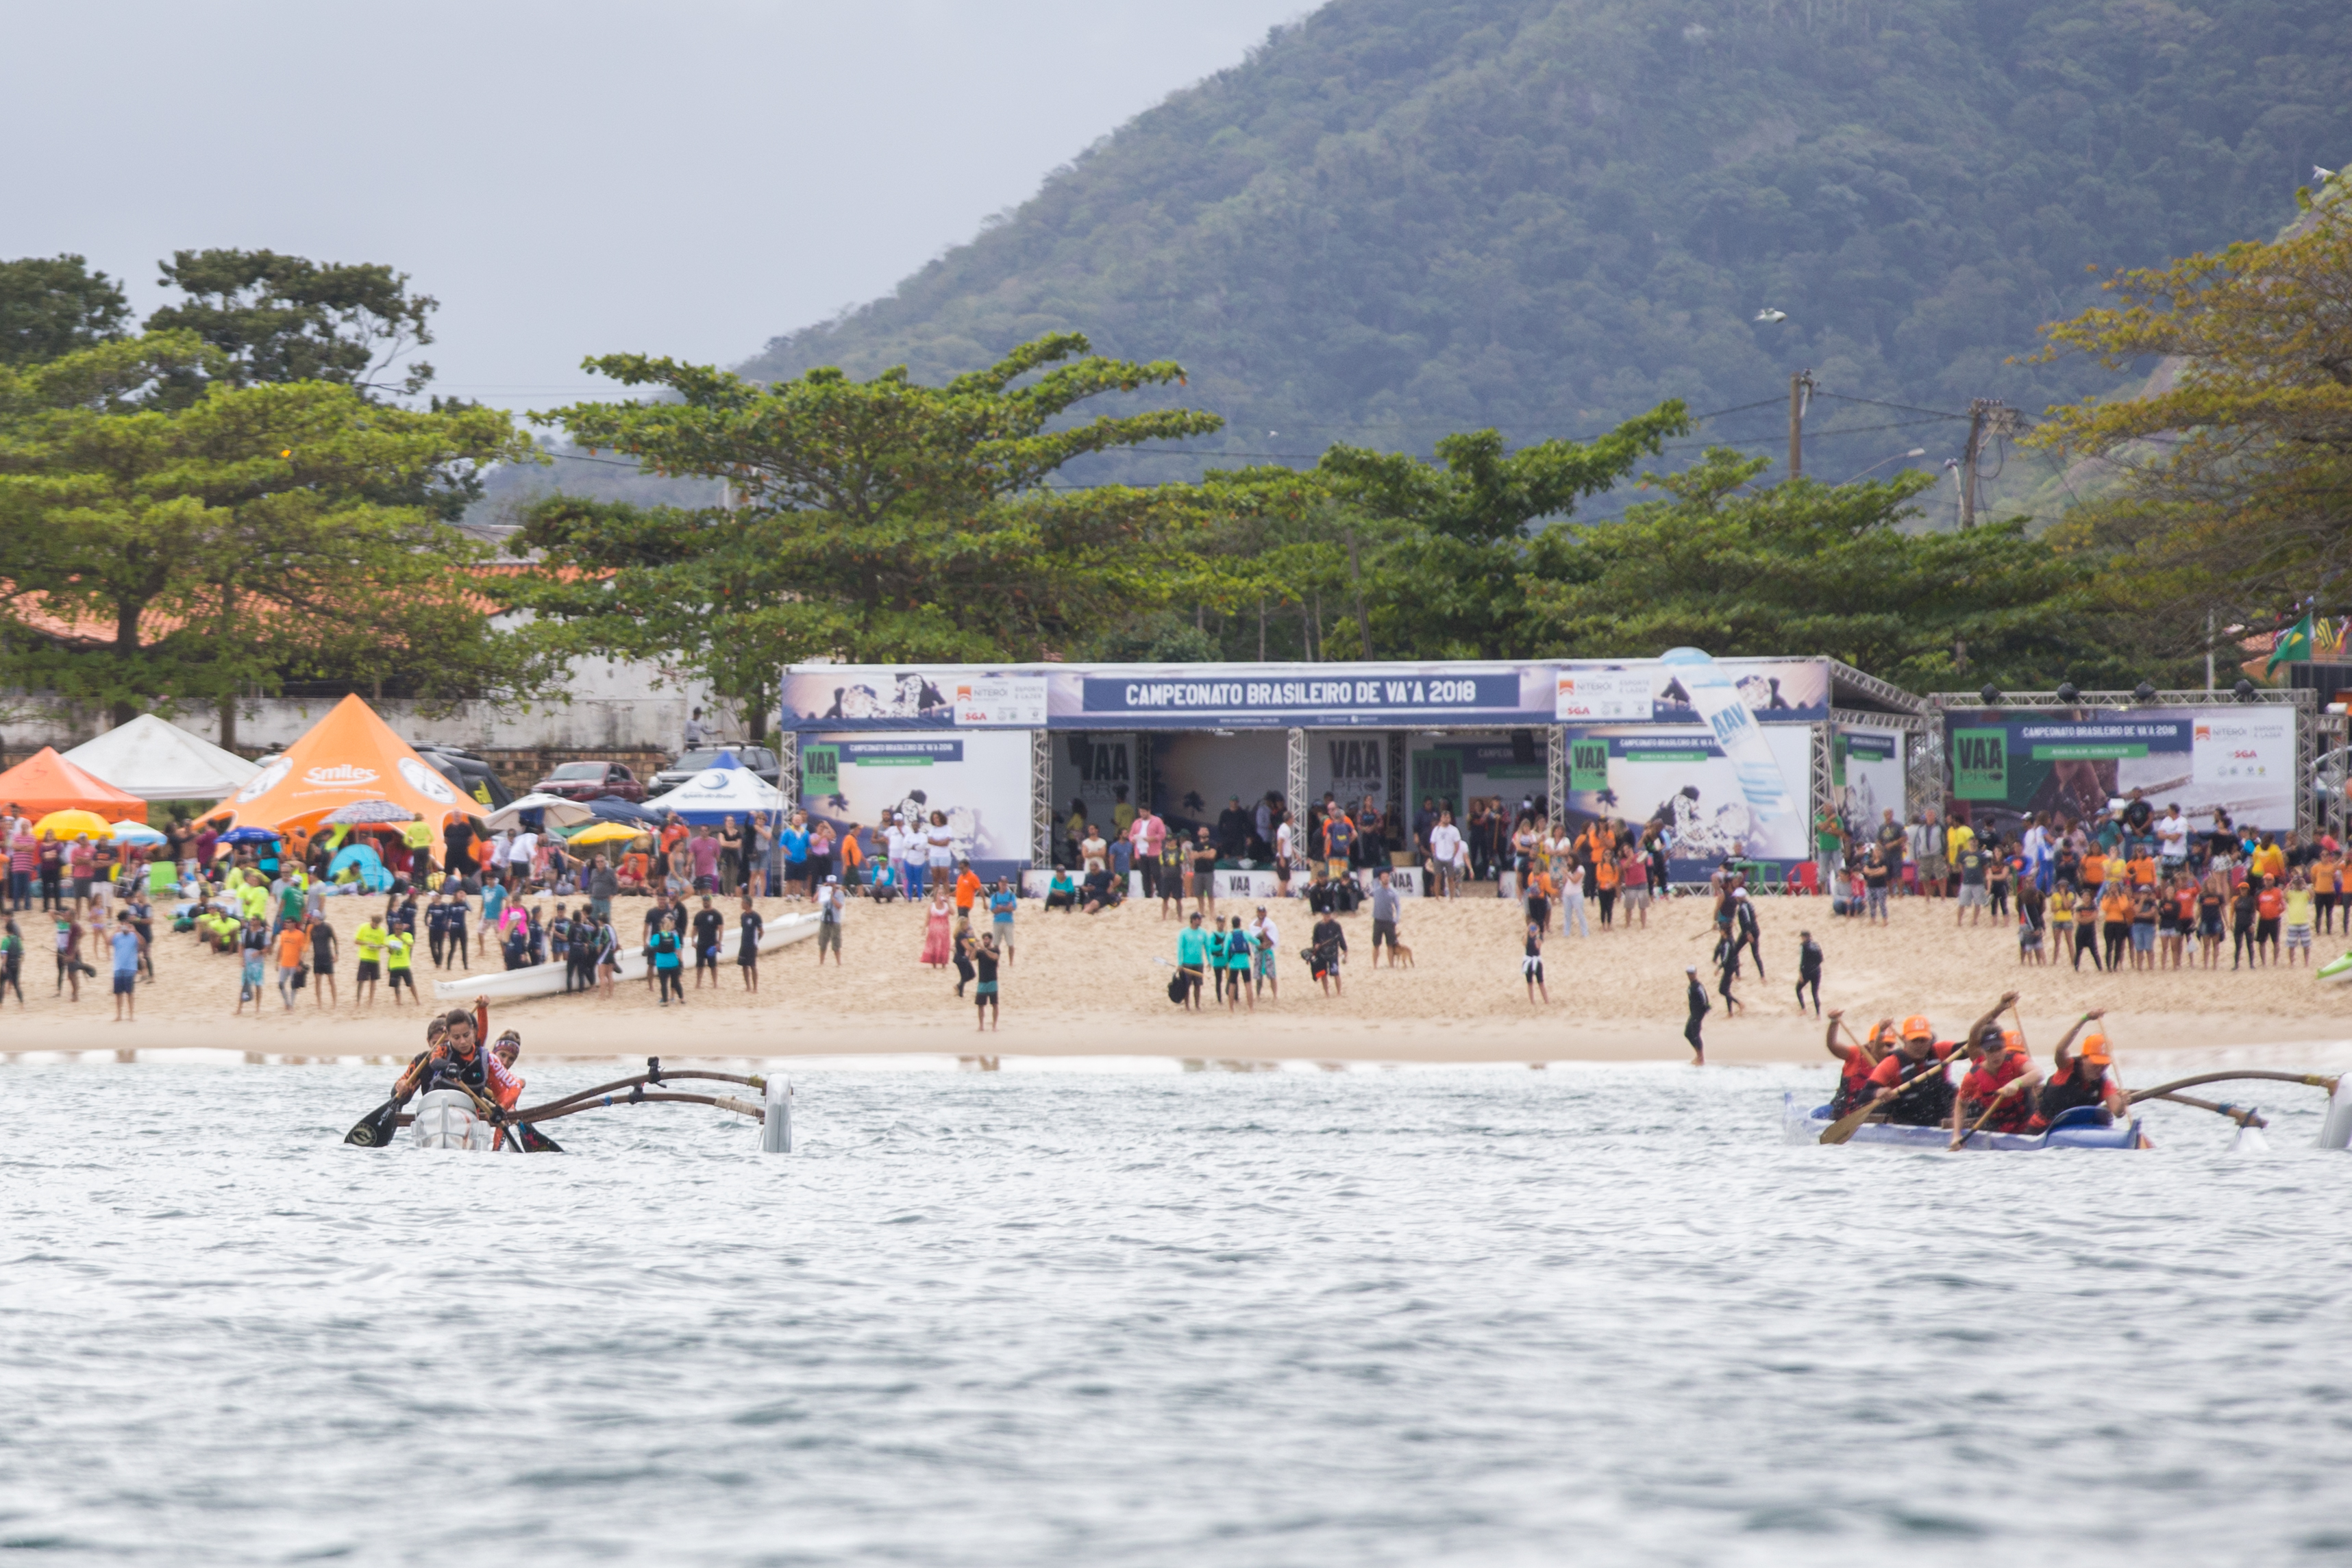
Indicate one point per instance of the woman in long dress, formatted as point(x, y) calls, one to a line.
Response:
point(939, 946)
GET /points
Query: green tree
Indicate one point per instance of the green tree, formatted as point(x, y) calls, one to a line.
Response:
point(53, 306)
point(873, 521)
point(2230, 480)
point(288, 318)
point(1809, 568)
point(1448, 586)
point(176, 554)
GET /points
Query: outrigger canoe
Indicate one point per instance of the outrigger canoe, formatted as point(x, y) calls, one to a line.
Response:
point(2085, 1128)
point(454, 1119)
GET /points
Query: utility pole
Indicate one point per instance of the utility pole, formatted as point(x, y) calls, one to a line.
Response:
point(1800, 392)
point(1986, 417)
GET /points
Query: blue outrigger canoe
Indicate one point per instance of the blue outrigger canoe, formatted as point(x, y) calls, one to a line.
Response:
point(2085, 1128)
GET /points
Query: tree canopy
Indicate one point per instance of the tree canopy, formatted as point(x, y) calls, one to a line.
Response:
point(288, 318)
point(1736, 568)
point(872, 520)
point(2227, 486)
point(51, 306)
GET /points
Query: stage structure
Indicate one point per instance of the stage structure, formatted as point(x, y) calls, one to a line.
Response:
point(1740, 755)
point(2252, 754)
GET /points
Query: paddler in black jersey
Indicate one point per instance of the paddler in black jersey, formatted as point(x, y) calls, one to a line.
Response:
point(2083, 1075)
point(458, 1062)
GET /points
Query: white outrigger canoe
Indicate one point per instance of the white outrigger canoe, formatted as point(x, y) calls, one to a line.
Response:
point(456, 1118)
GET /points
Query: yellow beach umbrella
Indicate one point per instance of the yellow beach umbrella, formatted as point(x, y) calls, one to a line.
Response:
point(74, 825)
point(605, 833)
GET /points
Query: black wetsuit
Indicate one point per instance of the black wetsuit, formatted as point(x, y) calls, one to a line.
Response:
point(1809, 974)
point(1699, 1010)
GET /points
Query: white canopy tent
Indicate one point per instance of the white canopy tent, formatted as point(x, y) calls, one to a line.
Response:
point(157, 760)
point(726, 788)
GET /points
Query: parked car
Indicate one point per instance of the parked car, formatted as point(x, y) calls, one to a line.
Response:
point(758, 759)
point(591, 782)
point(469, 773)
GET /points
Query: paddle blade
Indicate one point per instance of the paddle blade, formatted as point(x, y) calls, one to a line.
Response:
point(374, 1129)
point(1845, 1126)
point(535, 1142)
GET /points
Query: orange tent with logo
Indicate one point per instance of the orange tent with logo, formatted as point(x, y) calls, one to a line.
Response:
point(45, 782)
point(348, 756)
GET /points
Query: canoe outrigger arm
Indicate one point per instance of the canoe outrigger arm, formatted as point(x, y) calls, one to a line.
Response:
point(773, 1112)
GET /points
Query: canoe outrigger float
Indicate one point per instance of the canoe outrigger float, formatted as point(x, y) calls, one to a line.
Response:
point(456, 1118)
point(2087, 1126)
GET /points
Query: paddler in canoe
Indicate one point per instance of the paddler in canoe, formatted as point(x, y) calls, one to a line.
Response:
point(1996, 1092)
point(2083, 1075)
point(1910, 1083)
point(1858, 1060)
point(456, 1061)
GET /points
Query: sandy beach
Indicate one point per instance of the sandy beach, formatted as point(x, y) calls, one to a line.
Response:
point(1088, 985)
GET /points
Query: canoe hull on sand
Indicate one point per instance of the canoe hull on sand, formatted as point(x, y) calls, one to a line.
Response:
point(547, 980)
point(1801, 1126)
point(2337, 969)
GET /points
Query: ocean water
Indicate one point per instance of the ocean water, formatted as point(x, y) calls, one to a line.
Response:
point(1598, 1315)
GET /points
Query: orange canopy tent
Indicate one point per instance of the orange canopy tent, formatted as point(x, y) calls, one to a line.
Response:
point(348, 756)
point(45, 782)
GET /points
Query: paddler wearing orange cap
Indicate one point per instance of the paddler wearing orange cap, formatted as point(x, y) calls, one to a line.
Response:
point(1997, 1089)
point(2083, 1075)
point(1910, 1080)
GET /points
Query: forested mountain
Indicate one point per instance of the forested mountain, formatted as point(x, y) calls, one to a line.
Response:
point(1402, 217)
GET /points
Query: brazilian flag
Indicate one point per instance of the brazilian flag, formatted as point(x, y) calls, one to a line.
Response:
point(2293, 646)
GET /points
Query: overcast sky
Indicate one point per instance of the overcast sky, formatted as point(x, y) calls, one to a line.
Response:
point(686, 178)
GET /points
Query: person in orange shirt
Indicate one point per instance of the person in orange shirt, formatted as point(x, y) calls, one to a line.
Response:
point(2143, 870)
point(967, 889)
point(2114, 922)
point(2094, 872)
point(1605, 877)
point(294, 942)
point(2269, 904)
point(2327, 883)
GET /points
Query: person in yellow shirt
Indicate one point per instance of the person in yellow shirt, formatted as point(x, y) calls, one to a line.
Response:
point(2269, 861)
point(2298, 918)
point(368, 940)
point(397, 947)
point(1958, 837)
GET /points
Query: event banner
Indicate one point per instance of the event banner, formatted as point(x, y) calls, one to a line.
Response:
point(1682, 778)
point(1126, 698)
point(981, 780)
point(1192, 697)
point(1123, 698)
point(1776, 691)
point(1866, 777)
point(2007, 763)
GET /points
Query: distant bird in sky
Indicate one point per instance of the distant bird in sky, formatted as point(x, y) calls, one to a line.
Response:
point(1768, 314)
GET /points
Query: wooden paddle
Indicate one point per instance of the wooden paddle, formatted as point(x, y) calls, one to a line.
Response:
point(1980, 1121)
point(1845, 1126)
point(2241, 1115)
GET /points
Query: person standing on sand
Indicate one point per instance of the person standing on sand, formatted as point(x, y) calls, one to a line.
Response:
point(1809, 971)
point(321, 934)
point(1191, 959)
point(1531, 965)
point(984, 960)
point(939, 931)
point(1263, 936)
point(128, 948)
point(1329, 942)
point(1237, 967)
point(832, 901)
point(1696, 994)
point(1002, 904)
point(749, 928)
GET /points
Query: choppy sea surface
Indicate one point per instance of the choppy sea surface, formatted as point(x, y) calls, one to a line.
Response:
point(1483, 1316)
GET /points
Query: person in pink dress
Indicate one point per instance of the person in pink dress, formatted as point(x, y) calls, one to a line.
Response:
point(938, 947)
